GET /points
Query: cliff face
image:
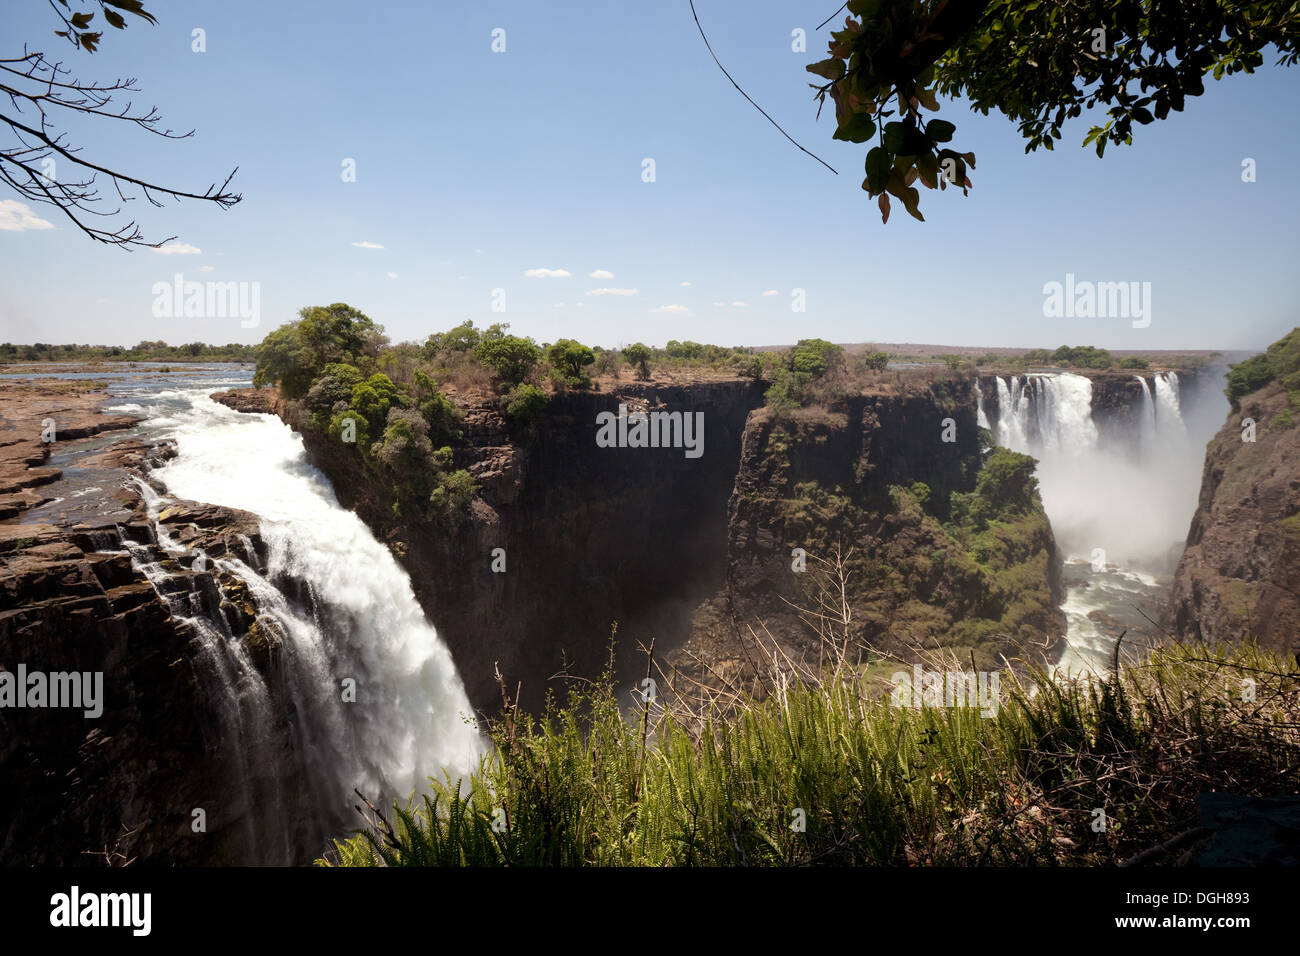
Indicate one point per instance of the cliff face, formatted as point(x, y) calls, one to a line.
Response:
point(690, 551)
point(98, 597)
point(1239, 577)
point(863, 492)
point(591, 535)
point(124, 783)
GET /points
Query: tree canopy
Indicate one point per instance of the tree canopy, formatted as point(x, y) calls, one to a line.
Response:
point(1040, 64)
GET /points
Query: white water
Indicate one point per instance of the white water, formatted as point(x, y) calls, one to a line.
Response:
point(411, 718)
point(1119, 512)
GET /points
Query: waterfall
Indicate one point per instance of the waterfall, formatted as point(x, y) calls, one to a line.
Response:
point(1169, 411)
point(1048, 416)
point(1119, 519)
point(370, 694)
point(1146, 419)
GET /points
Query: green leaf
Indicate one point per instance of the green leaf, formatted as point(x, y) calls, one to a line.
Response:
point(879, 165)
point(1143, 115)
point(894, 137)
point(831, 69)
point(859, 128)
point(939, 131)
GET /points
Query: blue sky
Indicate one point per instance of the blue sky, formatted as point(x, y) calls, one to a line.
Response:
point(474, 168)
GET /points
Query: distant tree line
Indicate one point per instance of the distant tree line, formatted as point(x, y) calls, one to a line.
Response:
point(146, 351)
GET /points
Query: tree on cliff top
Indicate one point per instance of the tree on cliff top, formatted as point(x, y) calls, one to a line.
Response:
point(294, 354)
point(1039, 64)
point(37, 88)
point(1279, 362)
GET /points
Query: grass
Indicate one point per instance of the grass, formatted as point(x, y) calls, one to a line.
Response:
point(823, 773)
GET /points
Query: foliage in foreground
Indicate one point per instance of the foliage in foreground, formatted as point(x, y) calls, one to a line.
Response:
point(873, 784)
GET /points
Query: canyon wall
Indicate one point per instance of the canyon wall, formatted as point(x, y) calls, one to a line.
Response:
point(1239, 578)
point(692, 552)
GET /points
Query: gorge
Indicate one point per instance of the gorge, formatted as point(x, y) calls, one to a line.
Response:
point(319, 641)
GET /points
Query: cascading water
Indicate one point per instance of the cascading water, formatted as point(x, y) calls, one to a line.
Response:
point(370, 694)
point(1118, 514)
point(1146, 418)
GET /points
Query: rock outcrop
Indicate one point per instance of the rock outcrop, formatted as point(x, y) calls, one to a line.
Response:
point(1239, 577)
point(122, 784)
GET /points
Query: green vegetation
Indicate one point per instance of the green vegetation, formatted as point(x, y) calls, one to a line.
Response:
point(329, 364)
point(1082, 356)
point(1134, 361)
point(808, 361)
point(524, 402)
point(143, 352)
point(875, 361)
point(1279, 362)
point(1041, 65)
point(639, 354)
point(295, 354)
point(824, 773)
point(569, 360)
point(510, 357)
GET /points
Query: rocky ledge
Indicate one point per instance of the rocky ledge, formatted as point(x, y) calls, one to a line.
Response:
point(122, 785)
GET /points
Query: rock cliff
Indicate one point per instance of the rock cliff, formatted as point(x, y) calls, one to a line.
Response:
point(1239, 577)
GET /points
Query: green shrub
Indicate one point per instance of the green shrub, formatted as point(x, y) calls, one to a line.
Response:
point(638, 354)
point(783, 395)
point(569, 359)
point(373, 398)
point(1134, 361)
point(814, 357)
point(510, 357)
point(524, 402)
point(452, 493)
point(876, 361)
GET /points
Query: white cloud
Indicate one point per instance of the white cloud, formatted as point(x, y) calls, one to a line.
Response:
point(600, 274)
point(557, 305)
point(580, 305)
point(684, 284)
point(740, 305)
point(547, 273)
point(178, 249)
point(771, 292)
point(366, 244)
point(612, 291)
point(18, 217)
point(206, 268)
point(392, 275)
point(679, 309)
point(718, 305)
